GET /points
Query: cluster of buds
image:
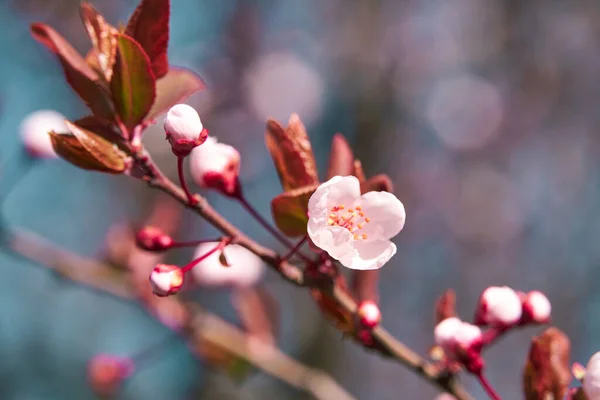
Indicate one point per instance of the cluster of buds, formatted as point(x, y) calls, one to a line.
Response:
point(107, 372)
point(184, 129)
point(462, 342)
point(503, 308)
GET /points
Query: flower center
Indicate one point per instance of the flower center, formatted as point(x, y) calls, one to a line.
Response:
point(352, 219)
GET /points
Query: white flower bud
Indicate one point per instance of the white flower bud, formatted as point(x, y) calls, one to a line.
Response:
point(245, 268)
point(458, 339)
point(591, 381)
point(166, 279)
point(445, 332)
point(536, 308)
point(499, 307)
point(34, 132)
point(184, 129)
point(216, 165)
point(369, 314)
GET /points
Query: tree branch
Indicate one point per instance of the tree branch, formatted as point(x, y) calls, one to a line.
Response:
point(295, 275)
point(203, 325)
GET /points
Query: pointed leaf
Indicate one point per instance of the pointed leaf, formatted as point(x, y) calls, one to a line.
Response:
point(341, 158)
point(445, 306)
point(103, 129)
point(80, 76)
point(377, 183)
point(292, 153)
point(547, 373)
point(173, 88)
point(290, 210)
point(149, 26)
point(133, 85)
point(103, 37)
point(70, 149)
point(358, 172)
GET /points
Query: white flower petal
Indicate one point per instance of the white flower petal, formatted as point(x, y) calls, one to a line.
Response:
point(211, 156)
point(339, 190)
point(245, 269)
point(386, 214)
point(335, 240)
point(370, 255)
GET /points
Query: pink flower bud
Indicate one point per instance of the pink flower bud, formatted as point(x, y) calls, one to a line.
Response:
point(369, 314)
point(245, 268)
point(217, 166)
point(591, 381)
point(166, 279)
point(34, 132)
point(536, 308)
point(106, 373)
point(184, 129)
point(499, 307)
point(461, 342)
point(151, 238)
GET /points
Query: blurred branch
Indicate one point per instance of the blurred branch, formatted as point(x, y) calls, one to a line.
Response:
point(204, 326)
point(293, 274)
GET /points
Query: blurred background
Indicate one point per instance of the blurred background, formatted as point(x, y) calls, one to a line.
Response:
point(483, 112)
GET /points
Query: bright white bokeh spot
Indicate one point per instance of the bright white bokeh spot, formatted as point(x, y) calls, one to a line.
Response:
point(279, 84)
point(465, 111)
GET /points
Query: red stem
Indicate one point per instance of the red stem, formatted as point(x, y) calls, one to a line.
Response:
point(193, 263)
point(191, 199)
point(268, 227)
point(295, 249)
point(487, 387)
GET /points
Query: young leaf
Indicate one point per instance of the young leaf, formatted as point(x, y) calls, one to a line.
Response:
point(358, 171)
point(445, 306)
point(103, 129)
point(103, 37)
point(173, 88)
point(149, 26)
point(87, 150)
point(133, 85)
point(290, 210)
point(377, 183)
point(547, 373)
point(292, 153)
point(80, 76)
point(341, 158)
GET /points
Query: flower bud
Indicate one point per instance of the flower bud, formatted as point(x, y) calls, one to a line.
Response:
point(536, 308)
point(368, 314)
point(499, 307)
point(34, 132)
point(216, 166)
point(107, 372)
point(184, 129)
point(166, 279)
point(151, 238)
point(591, 381)
point(461, 342)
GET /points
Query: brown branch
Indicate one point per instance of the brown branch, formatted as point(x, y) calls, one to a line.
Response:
point(295, 275)
point(203, 327)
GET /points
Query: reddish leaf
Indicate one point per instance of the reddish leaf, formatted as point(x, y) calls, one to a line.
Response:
point(149, 26)
point(173, 88)
point(377, 183)
point(82, 78)
point(103, 129)
point(292, 153)
point(358, 171)
point(341, 158)
point(445, 306)
point(133, 84)
point(547, 373)
point(290, 209)
point(103, 37)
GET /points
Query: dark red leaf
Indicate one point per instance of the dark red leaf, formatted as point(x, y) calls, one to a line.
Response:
point(103, 129)
point(149, 26)
point(133, 85)
point(173, 88)
point(341, 158)
point(445, 306)
point(290, 210)
point(103, 37)
point(82, 78)
point(377, 183)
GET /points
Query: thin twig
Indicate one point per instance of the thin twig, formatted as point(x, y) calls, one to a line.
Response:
point(295, 275)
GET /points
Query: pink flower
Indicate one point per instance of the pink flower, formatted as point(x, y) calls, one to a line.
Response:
point(245, 269)
point(536, 308)
point(216, 165)
point(498, 306)
point(354, 229)
point(34, 132)
point(166, 279)
point(368, 314)
point(184, 129)
point(106, 373)
point(591, 381)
